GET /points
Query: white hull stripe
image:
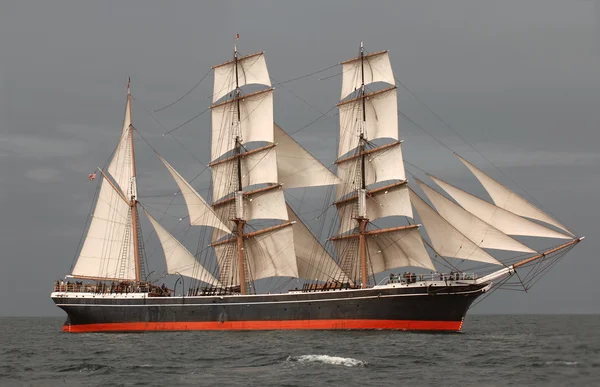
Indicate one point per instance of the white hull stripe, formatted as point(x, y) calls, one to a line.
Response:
point(271, 302)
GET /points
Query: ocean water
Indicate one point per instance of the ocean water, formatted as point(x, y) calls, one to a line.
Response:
point(491, 351)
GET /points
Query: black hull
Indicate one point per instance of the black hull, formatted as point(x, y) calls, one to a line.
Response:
point(406, 308)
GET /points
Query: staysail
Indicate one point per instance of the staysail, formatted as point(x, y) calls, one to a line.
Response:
point(446, 239)
point(179, 259)
point(510, 201)
point(478, 231)
point(505, 221)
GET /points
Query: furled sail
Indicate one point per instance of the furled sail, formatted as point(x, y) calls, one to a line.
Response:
point(298, 168)
point(381, 111)
point(251, 69)
point(255, 121)
point(445, 238)
point(267, 254)
point(179, 259)
point(201, 214)
point(377, 68)
point(314, 262)
point(108, 250)
point(478, 231)
point(510, 201)
point(503, 220)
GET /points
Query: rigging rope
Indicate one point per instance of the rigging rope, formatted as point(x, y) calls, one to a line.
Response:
point(185, 95)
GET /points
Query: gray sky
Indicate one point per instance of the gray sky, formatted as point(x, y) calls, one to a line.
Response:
point(518, 79)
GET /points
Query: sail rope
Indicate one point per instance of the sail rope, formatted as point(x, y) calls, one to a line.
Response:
point(185, 95)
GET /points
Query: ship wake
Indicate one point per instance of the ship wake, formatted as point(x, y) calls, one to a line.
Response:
point(326, 359)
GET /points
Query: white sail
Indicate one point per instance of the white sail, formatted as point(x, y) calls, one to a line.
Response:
point(503, 220)
point(255, 122)
point(478, 231)
point(108, 250)
point(127, 120)
point(445, 238)
point(386, 201)
point(269, 254)
point(179, 260)
point(377, 68)
point(264, 203)
point(314, 262)
point(121, 165)
point(258, 167)
point(383, 163)
point(510, 201)
point(381, 120)
point(401, 247)
point(298, 168)
point(201, 214)
point(251, 69)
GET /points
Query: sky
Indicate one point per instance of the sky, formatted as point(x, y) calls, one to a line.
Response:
point(517, 80)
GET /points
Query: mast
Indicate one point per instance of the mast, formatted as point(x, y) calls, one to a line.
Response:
point(133, 200)
point(364, 117)
point(362, 197)
point(239, 195)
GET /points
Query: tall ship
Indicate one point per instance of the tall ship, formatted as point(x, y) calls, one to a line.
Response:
point(373, 223)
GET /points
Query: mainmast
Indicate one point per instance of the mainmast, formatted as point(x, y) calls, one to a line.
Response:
point(246, 185)
point(239, 195)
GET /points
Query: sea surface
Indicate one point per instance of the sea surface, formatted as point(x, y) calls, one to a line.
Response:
point(521, 350)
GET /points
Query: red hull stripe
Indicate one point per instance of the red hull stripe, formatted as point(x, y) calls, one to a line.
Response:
point(405, 325)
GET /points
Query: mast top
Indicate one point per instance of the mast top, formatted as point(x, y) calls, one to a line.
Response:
point(129, 86)
point(237, 37)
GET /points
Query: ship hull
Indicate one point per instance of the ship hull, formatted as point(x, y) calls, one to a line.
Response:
point(417, 308)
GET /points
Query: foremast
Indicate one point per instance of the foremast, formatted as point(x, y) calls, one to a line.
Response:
point(362, 165)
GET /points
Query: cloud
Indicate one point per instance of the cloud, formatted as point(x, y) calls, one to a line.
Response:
point(524, 158)
point(40, 148)
point(44, 175)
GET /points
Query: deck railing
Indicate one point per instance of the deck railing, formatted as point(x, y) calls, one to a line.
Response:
point(408, 278)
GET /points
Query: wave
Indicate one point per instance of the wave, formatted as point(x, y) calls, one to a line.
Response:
point(326, 359)
point(85, 367)
point(562, 363)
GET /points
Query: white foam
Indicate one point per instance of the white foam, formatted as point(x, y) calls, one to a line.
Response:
point(326, 359)
point(567, 363)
